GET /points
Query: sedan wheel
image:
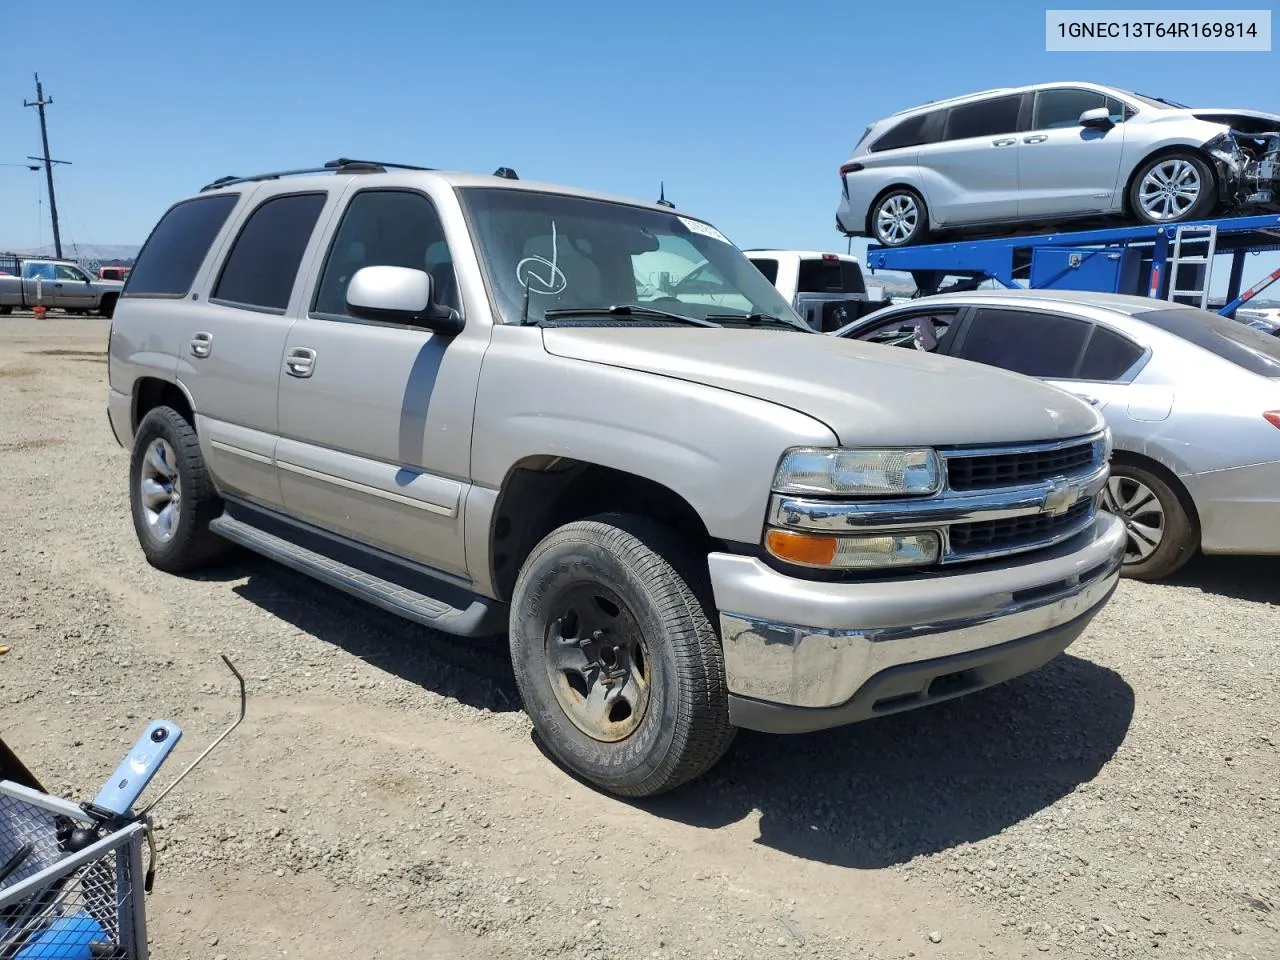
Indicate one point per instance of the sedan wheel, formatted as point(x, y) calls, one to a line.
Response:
point(1137, 505)
point(1161, 534)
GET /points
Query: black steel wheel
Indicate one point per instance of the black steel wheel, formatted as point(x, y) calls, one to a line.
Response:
point(619, 667)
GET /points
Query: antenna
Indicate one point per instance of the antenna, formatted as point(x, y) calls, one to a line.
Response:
point(662, 196)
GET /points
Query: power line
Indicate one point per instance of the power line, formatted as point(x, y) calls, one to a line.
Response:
point(40, 103)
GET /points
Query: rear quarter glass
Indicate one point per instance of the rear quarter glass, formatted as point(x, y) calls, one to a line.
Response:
point(171, 257)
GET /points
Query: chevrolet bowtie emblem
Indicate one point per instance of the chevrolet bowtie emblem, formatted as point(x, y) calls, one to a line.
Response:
point(1060, 497)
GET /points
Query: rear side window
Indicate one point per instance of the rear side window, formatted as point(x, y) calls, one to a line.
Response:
point(911, 132)
point(985, 118)
point(263, 263)
point(1034, 344)
point(171, 257)
point(1231, 340)
point(768, 267)
point(1107, 356)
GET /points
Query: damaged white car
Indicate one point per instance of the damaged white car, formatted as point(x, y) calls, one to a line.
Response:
point(1053, 152)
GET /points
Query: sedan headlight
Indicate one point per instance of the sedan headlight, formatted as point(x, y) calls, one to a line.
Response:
point(826, 471)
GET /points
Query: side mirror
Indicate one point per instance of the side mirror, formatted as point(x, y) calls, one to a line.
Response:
point(399, 295)
point(1099, 118)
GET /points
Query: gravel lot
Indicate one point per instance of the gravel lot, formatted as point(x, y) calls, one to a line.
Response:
point(385, 791)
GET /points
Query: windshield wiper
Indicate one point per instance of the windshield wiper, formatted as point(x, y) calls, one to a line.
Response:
point(758, 318)
point(625, 310)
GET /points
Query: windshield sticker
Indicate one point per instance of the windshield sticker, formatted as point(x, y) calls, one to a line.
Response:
point(540, 275)
point(697, 226)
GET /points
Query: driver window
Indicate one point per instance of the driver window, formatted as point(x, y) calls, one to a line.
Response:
point(397, 228)
point(64, 272)
point(919, 331)
point(1061, 109)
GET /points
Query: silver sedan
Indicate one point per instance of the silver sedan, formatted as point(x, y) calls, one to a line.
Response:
point(1192, 399)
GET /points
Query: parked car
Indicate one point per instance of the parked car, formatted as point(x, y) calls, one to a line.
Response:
point(1192, 399)
point(113, 273)
point(60, 284)
point(826, 289)
point(1052, 152)
point(446, 394)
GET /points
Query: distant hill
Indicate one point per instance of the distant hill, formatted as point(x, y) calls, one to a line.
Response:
point(83, 251)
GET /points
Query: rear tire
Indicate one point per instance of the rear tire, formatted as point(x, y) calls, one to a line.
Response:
point(1162, 536)
point(617, 594)
point(172, 496)
point(898, 218)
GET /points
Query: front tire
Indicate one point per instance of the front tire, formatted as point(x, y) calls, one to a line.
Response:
point(619, 667)
point(172, 496)
point(107, 308)
point(1173, 188)
point(1161, 534)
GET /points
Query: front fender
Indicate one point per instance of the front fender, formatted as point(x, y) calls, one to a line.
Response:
point(717, 449)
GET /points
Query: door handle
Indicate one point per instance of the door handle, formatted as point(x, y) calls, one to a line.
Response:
point(1038, 138)
point(1005, 142)
point(202, 344)
point(300, 362)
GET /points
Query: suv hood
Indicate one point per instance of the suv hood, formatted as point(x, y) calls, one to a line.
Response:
point(866, 393)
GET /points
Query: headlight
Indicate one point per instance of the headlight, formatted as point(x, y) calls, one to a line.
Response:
point(872, 552)
point(829, 471)
point(1107, 445)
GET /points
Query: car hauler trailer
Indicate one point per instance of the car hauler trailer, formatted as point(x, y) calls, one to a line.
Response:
point(1173, 262)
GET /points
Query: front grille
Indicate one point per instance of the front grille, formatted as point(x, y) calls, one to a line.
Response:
point(1012, 534)
point(990, 470)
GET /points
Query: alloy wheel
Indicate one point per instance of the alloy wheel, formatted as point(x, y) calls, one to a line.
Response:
point(161, 490)
point(1170, 189)
point(1139, 509)
point(896, 219)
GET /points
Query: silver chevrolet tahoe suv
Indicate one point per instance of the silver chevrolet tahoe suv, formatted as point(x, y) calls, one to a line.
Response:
point(475, 401)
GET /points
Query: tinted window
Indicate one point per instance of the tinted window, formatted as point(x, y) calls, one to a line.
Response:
point(1231, 340)
point(768, 267)
point(1035, 344)
point(264, 260)
point(1107, 356)
point(1062, 108)
point(985, 118)
point(911, 132)
point(171, 257)
point(388, 228)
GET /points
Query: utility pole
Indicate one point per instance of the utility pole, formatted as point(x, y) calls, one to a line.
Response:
point(39, 103)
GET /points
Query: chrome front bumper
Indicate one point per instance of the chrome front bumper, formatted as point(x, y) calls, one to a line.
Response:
point(840, 652)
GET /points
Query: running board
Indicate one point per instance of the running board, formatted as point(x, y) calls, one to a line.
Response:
point(482, 617)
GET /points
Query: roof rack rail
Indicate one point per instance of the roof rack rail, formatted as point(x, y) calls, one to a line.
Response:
point(341, 165)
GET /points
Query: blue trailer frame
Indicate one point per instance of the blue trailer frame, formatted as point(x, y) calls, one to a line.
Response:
point(1002, 259)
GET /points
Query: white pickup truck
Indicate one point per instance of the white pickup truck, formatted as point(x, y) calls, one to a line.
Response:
point(60, 284)
point(827, 289)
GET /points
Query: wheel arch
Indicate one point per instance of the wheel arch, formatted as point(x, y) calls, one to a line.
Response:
point(152, 392)
point(541, 493)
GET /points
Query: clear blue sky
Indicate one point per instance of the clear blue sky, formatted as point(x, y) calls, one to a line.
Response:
point(744, 108)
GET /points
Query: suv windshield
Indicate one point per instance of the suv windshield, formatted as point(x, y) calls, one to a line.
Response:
point(1231, 340)
point(574, 253)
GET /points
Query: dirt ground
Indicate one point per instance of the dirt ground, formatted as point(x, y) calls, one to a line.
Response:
point(385, 799)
